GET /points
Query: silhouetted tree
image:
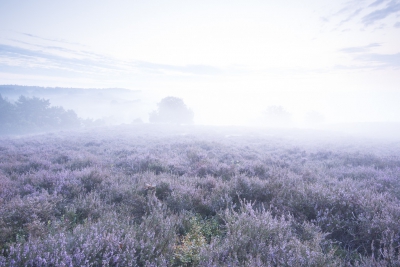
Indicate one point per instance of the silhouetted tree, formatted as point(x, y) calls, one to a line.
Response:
point(172, 110)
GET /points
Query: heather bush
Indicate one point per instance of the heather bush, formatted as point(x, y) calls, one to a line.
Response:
point(25, 165)
point(21, 218)
point(189, 198)
point(163, 191)
point(156, 236)
point(69, 185)
point(86, 206)
point(111, 241)
point(105, 243)
point(385, 253)
point(91, 180)
point(256, 238)
point(79, 164)
point(8, 188)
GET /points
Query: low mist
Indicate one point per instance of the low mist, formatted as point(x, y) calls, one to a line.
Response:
point(360, 114)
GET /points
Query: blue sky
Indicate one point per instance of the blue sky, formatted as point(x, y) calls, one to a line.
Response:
point(228, 60)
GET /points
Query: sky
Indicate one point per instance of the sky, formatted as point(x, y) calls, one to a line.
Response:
point(228, 60)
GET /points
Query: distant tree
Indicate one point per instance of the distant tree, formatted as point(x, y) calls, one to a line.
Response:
point(33, 115)
point(60, 118)
point(172, 110)
point(277, 116)
point(7, 115)
point(33, 112)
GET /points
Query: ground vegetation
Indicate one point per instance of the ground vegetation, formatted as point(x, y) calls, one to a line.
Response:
point(144, 195)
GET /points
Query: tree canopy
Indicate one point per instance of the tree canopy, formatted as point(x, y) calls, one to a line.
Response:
point(172, 110)
point(34, 115)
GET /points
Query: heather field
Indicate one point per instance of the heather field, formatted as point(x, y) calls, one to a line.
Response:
point(146, 195)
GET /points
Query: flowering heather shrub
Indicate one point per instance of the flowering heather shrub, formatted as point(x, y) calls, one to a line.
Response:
point(186, 196)
point(21, 218)
point(109, 242)
point(8, 188)
point(256, 238)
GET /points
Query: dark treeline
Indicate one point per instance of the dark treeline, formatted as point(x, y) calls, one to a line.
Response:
point(28, 115)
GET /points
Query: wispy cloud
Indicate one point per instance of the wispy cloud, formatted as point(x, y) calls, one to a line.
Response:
point(352, 15)
point(359, 49)
point(391, 8)
point(48, 57)
point(377, 3)
point(67, 52)
point(47, 60)
point(365, 13)
point(49, 39)
point(362, 54)
point(382, 60)
point(189, 69)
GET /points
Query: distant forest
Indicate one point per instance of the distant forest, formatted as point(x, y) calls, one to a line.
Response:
point(28, 115)
point(114, 105)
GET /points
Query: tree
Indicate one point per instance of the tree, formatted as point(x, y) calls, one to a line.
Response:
point(29, 115)
point(172, 110)
point(59, 118)
point(33, 112)
point(7, 115)
point(277, 116)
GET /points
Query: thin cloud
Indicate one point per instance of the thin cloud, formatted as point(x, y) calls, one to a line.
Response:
point(43, 57)
point(59, 48)
point(89, 59)
point(189, 69)
point(26, 57)
point(359, 49)
point(342, 10)
point(349, 11)
point(352, 15)
point(364, 12)
point(392, 8)
point(49, 39)
point(70, 52)
point(350, 67)
point(377, 3)
point(383, 60)
point(324, 19)
point(363, 55)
